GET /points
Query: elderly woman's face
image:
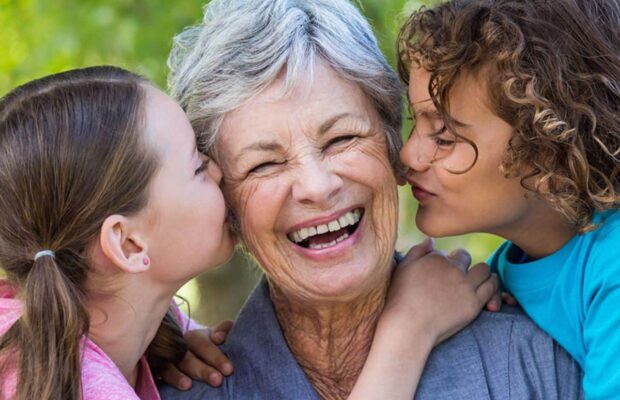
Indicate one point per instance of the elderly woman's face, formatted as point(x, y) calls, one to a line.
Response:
point(308, 177)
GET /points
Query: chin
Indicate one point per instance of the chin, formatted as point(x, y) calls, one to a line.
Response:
point(435, 227)
point(344, 285)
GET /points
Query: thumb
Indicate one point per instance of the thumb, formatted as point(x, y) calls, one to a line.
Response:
point(421, 249)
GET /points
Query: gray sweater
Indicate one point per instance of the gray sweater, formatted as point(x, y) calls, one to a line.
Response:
point(498, 356)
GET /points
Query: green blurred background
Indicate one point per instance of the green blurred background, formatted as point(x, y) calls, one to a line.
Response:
point(39, 37)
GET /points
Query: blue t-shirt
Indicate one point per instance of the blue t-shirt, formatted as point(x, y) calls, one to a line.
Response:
point(574, 295)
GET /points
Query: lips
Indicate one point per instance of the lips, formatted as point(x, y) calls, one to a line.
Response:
point(420, 193)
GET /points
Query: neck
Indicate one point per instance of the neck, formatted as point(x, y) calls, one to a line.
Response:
point(540, 233)
point(123, 324)
point(330, 341)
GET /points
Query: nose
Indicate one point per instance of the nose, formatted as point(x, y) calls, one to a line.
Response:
point(316, 182)
point(410, 155)
point(214, 171)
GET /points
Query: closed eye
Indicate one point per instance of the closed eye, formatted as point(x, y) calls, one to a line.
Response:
point(265, 166)
point(443, 138)
point(341, 139)
point(203, 166)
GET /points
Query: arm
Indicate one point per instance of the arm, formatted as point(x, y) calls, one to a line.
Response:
point(431, 298)
point(601, 335)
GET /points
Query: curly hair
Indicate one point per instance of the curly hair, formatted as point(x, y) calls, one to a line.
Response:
point(552, 72)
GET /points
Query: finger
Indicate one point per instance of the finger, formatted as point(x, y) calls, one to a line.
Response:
point(421, 249)
point(478, 274)
point(203, 347)
point(495, 303)
point(461, 258)
point(195, 368)
point(509, 299)
point(220, 331)
point(487, 289)
point(173, 377)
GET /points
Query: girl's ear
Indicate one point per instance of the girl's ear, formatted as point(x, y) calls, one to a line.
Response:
point(123, 247)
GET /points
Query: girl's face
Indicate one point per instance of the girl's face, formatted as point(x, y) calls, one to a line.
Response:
point(185, 214)
point(479, 200)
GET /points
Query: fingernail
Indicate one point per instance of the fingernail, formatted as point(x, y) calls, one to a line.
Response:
point(227, 368)
point(214, 378)
point(219, 336)
point(185, 383)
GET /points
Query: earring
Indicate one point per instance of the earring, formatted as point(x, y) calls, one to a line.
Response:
point(146, 261)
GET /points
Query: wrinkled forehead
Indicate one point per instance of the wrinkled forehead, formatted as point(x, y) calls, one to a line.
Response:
point(311, 106)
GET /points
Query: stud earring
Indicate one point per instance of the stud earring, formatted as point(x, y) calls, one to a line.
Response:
point(146, 261)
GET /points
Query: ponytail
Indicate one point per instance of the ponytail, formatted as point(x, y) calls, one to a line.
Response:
point(72, 152)
point(47, 336)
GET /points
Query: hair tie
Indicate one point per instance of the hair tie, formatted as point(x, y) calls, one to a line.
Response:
point(44, 253)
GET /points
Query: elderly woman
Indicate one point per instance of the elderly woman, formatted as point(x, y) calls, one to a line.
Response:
point(296, 103)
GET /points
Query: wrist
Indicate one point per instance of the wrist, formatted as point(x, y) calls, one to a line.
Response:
point(416, 334)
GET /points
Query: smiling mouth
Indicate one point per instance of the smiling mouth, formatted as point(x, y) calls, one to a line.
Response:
point(329, 234)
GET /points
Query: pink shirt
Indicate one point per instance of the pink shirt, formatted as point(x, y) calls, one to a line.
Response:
point(101, 379)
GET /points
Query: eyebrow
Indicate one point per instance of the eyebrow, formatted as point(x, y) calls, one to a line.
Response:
point(274, 146)
point(259, 146)
point(327, 125)
point(434, 114)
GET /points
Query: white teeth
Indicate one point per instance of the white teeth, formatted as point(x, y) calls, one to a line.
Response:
point(350, 218)
point(330, 244)
point(334, 226)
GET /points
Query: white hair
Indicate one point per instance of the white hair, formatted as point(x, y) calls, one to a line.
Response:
point(242, 45)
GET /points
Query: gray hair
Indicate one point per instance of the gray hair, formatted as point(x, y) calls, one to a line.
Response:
point(242, 45)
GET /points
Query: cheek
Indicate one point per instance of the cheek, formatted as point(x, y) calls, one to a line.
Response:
point(214, 206)
point(255, 205)
point(370, 168)
point(477, 201)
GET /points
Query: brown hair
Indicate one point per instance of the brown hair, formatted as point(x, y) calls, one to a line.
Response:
point(552, 71)
point(72, 153)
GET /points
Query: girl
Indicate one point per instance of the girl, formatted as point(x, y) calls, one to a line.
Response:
point(106, 210)
point(517, 134)
point(87, 208)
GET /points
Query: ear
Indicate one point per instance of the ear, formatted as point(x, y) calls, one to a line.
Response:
point(122, 246)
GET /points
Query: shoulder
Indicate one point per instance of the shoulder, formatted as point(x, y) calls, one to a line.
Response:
point(10, 307)
point(602, 249)
point(101, 379)
point(264, 366)
point(607, 226)
point(498, 354)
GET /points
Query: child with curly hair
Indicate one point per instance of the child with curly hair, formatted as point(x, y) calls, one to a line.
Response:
point(516, 133)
